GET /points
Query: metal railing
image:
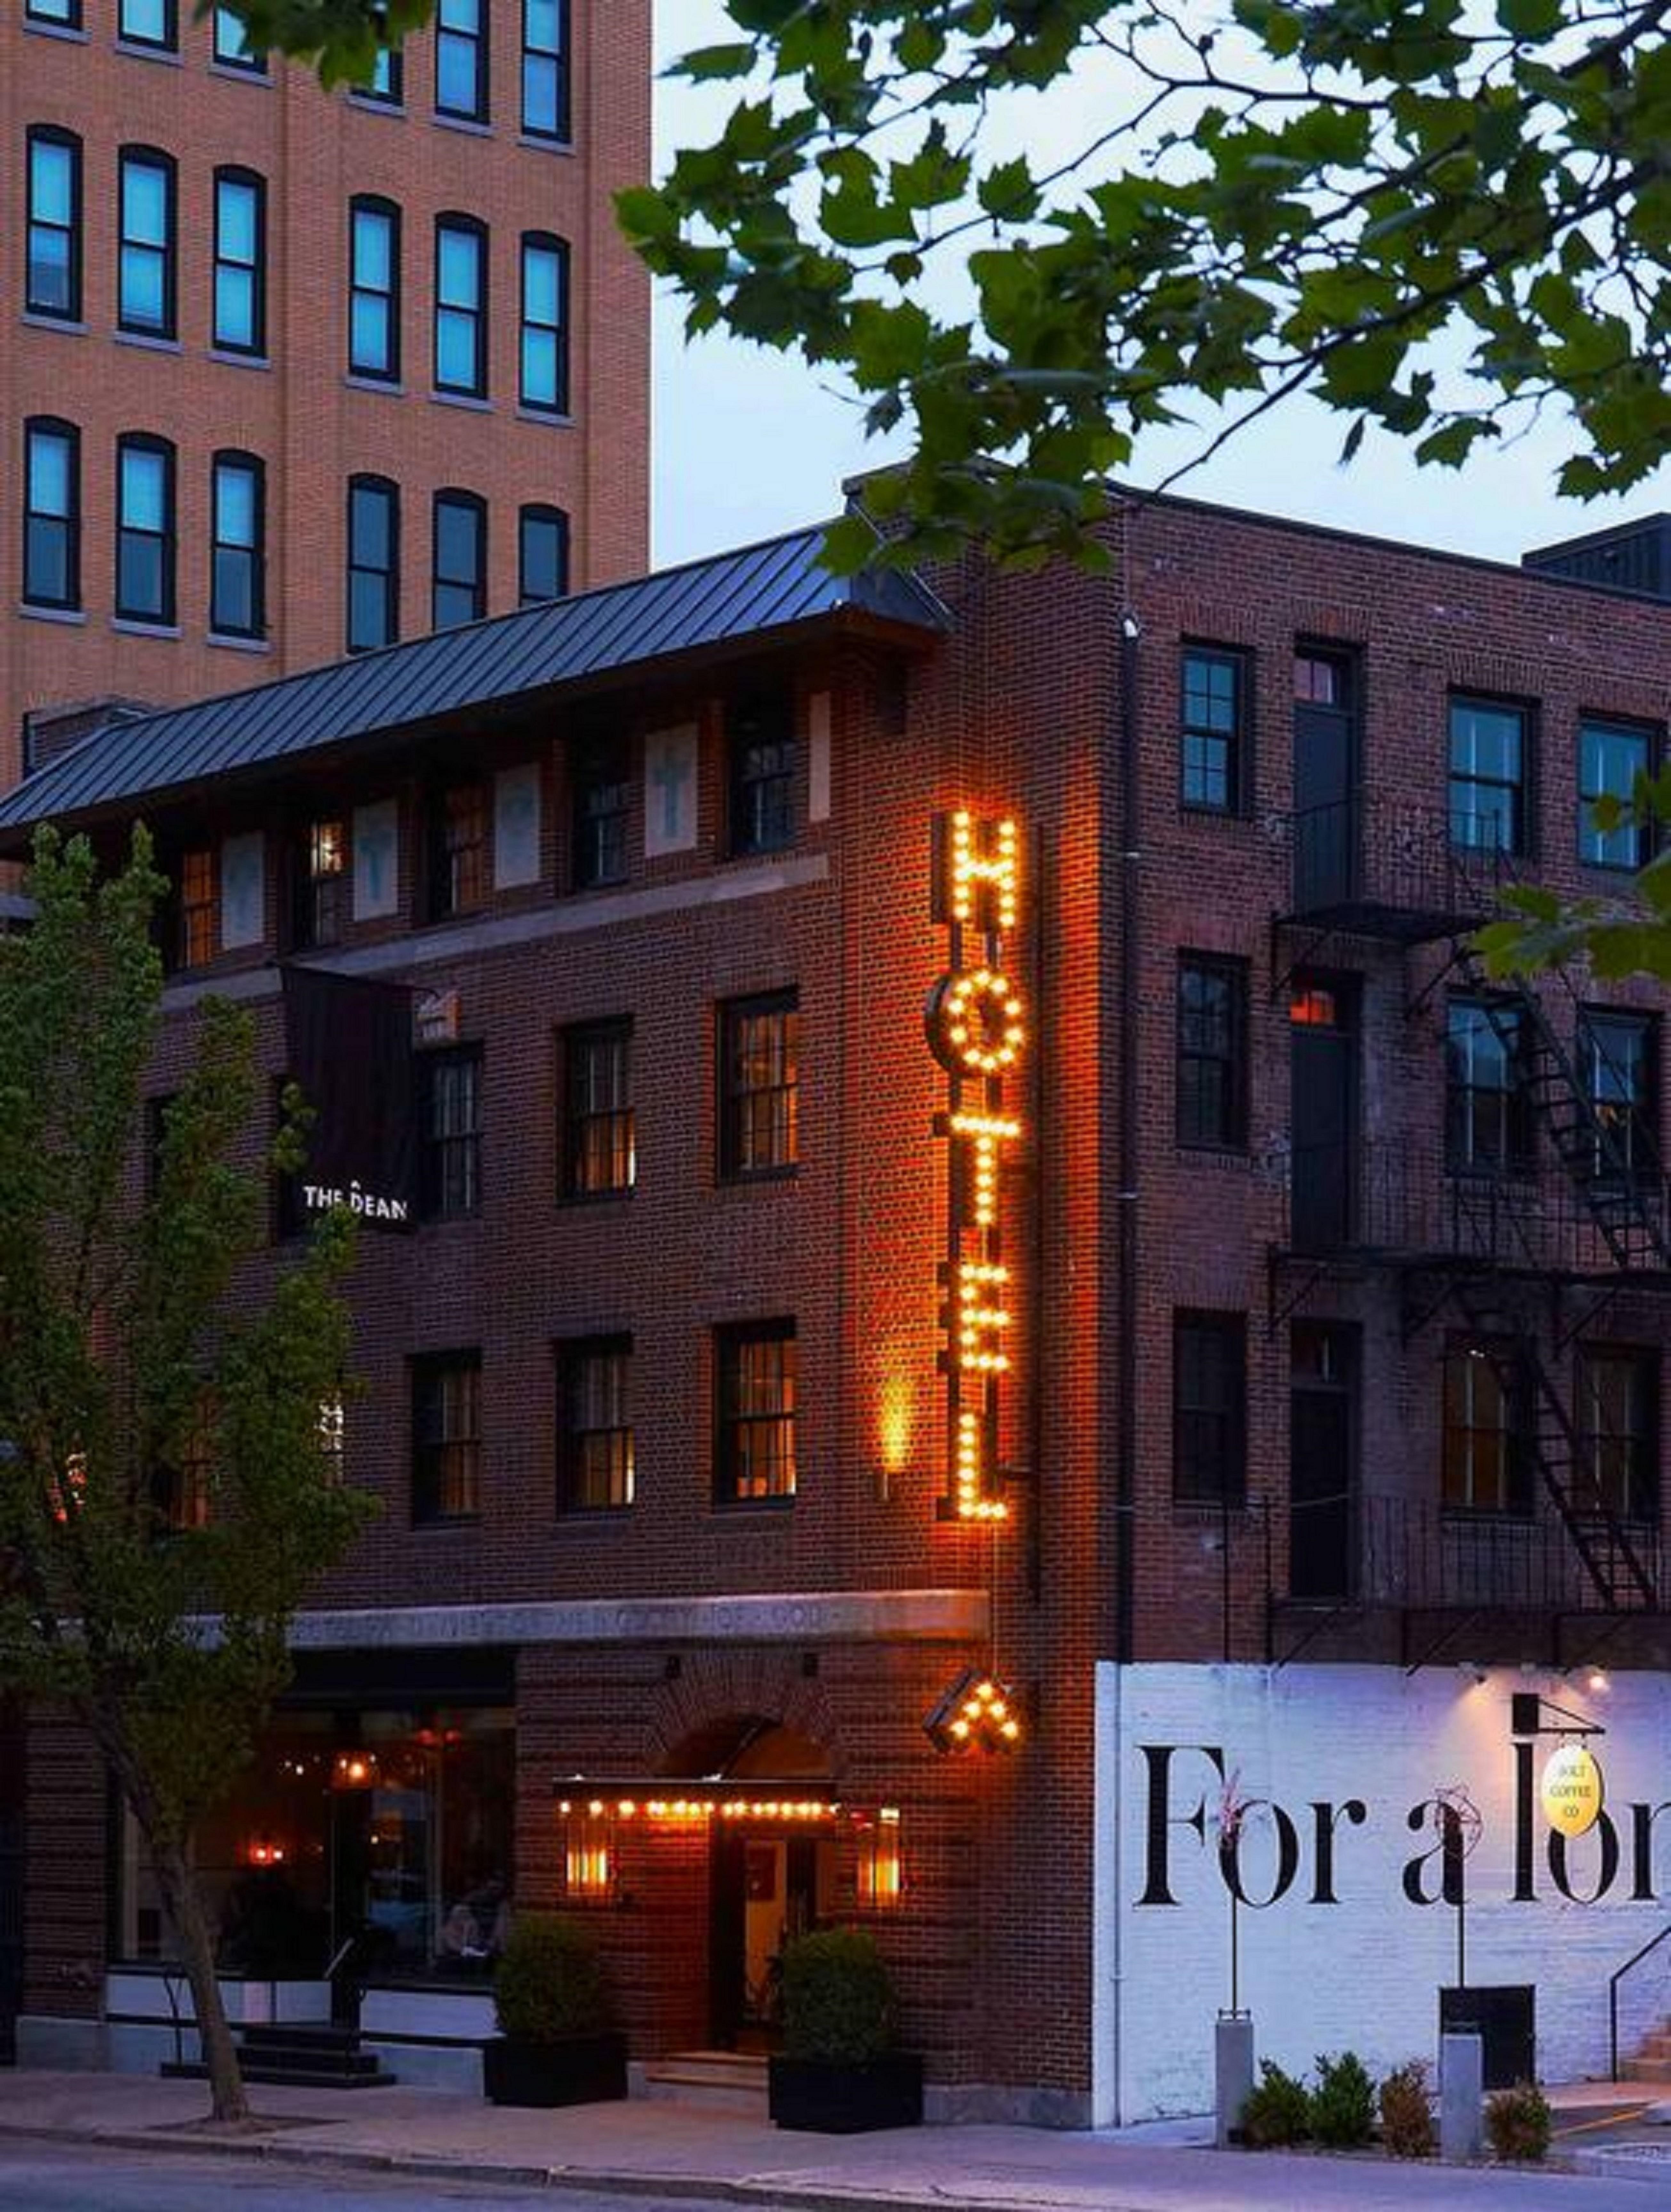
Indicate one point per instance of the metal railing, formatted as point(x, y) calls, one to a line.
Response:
point(1375, 862)
point(1630, 1964)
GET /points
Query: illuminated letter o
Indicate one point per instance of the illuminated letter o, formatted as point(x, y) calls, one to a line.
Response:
point(976, 1023)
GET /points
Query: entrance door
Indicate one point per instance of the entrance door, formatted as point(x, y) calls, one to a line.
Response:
point(1323, 1117)
point(11, 1877)
point(1322, 1441)
point(728, 1917)
point(1325, 858)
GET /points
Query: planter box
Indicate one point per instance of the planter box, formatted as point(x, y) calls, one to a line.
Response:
point(829, 2099)
point(587, 2069)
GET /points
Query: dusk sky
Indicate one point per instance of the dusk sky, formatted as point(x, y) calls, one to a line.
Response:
point(749, 442)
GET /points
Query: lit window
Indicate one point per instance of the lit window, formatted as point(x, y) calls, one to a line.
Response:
point(546, 69)
point(462, 60)
point(374, 582)
point(237, 595)
point(145, 530)
point(447, 1437)
point(588, 1853)
point(332, 1432)
point(878, 1870)
point(239, 301)
point(52, 275)
point(182, 1489)
point(196, 900)
point(321, 882)
point(374, 289)
point(757, 1399)
point(145, 268)
point(598, 1471)
point(544, 336)
point(52, 513)
point(1610, 759)
point(760, 1050)
point(600, 1157)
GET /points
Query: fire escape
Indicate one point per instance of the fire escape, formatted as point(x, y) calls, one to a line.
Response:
point(1513, 1259)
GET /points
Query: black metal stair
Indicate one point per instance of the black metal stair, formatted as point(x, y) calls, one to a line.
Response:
point(307, 2057)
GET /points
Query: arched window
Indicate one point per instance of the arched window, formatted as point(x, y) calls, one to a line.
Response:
point(53, 278)
point(145, 281)
point(51, 512)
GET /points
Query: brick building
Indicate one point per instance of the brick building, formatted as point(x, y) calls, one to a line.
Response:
point(839, 1464)
point(289, 374)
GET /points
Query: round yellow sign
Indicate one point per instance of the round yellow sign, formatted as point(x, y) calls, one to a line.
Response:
point(1572, 1790)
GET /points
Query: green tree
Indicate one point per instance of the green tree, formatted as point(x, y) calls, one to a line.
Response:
point(1629, 935)
point(145, 1361)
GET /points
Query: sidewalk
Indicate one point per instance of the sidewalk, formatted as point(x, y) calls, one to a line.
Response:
point(640, 2147)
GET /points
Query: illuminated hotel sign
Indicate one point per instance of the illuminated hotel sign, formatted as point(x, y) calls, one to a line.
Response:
point(977, 1029)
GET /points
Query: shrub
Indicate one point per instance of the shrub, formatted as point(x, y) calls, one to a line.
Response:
point(838, 2001)
point(550, 1985)
point(1276, 2112)
point(1406, 2113)
point(1518, 2122)
point(1343, 2105)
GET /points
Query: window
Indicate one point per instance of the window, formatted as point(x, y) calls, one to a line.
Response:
point(600, 1147)
point(1487, 1465)
point(240, 321)
point(65, 13)
point(1618, 1424)
point(457, 850)
point(1212, 1052)
point(601, 797)
point(755, 1459)
point(1215, 714)
point(450, 1163)
point(374, 583)
point(232, 48)
point(546, 69)
point(447, 1437)
point(1488, 1121)
point(545, 340)
point(144, 529)
point(459, 589)
point(320, 862)
point(237, 586)
point(52, 513)
point(386, 87)
point(158, 1113)
point(1209, 1408)
point(461, 361)
point(1610, 759)
point(148, 23)
point(597, 1472)
point(182, 1492)
point(760, 750)
point(462, 60)
point(542, 555)
point(1616, 1061)
point(145, 271)
point(52, 279)
point(1488, 776)
point(194, 896)
point(759, 1048)
point(374, 289)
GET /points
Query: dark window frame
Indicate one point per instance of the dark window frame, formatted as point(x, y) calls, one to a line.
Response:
point(450, 1133)
point(1635, 1478)
point(167, 43)
point(596, 1456)
point(319, 894)
point(385, 489)
point(225, 28)
point(1196, 777)
point(392, 92)
point(162, 616)
point(1521, 790)
point(1466, 1360)
point(450, 37)
point(737, 1427)
point(386, 298)
point(599, 1140)
point(760, 771)
point(195, 908)
point(1639, 1144)
point(451, 501)
point(69, 524)
point(1228, 1133)
point(554, 518)
point(1514, 1156)
point(600, 808)
point(548, 245)
point(153, 160)
point(253, 271)
point(1632, 843)
point(537, 62)
point(446, 1401)
point(48, 135)
point(759, 1123)
point(67, 16)
point(1209, 1432)
point(250, 558)
point(457, 878)
point(470, 314)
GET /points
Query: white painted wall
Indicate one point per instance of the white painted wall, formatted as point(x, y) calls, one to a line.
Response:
point(1362, 1973)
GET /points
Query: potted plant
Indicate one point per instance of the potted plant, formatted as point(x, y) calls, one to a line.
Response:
point(555, 2044)
point(838, 2073)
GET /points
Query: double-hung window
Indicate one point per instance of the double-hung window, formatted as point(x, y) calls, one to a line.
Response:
point(760, 1054)
point(1611, 757)
point(459, 582)
point(52, 273)
point(542, 555)
point(462, 60)
point(194, 909)
point(240, 320)
point(546, 69)
point(1617, 1424)
point(320, 884)
point(599, 1143)
point(457, 850)
point(232, 46)
point(759, 737)
point(756, 1393)
point(544, 370)
point(148, 23)
point(1490, 750)
point(450, 1186)
point(51, 512)
point(145, 269)
point(1487, 1465)
point(461, 334)
point(1488, 1118)
point(1209, 1408)
point(237, 586)
point(373, 571)
point(145, 530)
point(596, 1472)
point(602, 795)
point(1214, 711)
point(1212, 1052)
point(447, 1437)
point(374, 289)
point(1616, 1062)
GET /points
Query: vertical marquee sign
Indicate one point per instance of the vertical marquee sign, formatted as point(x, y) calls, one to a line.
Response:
point(977, 1030)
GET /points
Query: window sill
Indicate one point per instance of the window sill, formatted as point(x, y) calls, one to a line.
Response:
point(391, 385)
point(1190, 1512)
point(743, 1178)
point(1486, 1517)
point(745, 1509)
point(71, 326)
point(367, 104)
point(1205, 1148)
point(548, 418)
point(229, 641)
point(537, 142)
point(443, 1524)
point(1195, 810)
point(71, 32)
point(231, 359)
point(762, 852)
point(588, 1198)
point(137, 50)
point(594, 1516)
point(471, 401)
point(469, 124)
point(131, 626)
point(72, 616)
point(146, 341)
point(235, 74)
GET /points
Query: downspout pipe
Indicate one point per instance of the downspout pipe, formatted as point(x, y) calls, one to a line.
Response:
point(1127, 1112)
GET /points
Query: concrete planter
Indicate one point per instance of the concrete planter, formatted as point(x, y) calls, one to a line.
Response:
point(824, 2098)
point(586, 2070)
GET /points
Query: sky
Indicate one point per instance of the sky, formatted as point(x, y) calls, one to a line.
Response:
point(749, 442)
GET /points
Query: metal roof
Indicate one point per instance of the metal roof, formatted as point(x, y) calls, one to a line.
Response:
point(750, 592)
